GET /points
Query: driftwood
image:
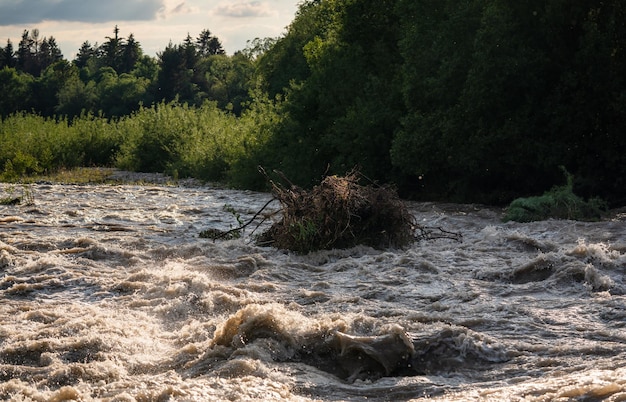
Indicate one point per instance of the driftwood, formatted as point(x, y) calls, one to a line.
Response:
point(235, 233)
point(337, 213)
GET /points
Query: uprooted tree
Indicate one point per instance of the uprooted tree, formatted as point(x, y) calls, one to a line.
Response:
point(340, 213)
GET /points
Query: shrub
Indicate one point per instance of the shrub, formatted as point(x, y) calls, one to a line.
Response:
point(559, 203)
point(201, 142)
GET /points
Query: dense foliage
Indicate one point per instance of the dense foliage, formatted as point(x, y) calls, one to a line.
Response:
point(115, 78)
point(203, 142)
point(469, 100)
point(499, 94)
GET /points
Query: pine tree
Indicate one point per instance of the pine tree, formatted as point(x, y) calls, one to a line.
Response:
point(131, 52)
point(208, 45)
point(85, 53)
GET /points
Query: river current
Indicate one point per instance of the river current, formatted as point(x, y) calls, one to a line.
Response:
point(108, 293)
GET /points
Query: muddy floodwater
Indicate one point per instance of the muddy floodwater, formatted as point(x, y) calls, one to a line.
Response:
point(107, 293)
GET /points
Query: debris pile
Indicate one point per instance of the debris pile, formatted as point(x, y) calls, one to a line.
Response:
point(339, 213)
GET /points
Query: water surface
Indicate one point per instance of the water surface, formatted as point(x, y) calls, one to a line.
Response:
point(108, 293)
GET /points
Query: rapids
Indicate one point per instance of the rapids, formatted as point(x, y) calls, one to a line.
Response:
point(107, 293)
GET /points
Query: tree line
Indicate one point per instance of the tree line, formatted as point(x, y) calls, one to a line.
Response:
point(473, 101)
point(115, 77)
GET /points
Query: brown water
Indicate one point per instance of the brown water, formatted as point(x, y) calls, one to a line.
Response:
point(108, 293)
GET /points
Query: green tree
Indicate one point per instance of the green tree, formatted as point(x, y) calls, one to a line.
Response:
point(511, 73)
point(225, 79)
point(436, 46)
point(76, 98)
point(15, 87)
point(121, 95)
point(586, 111)
point(35, 54)
point(285, 62)
point(360, 89)
point(7, 55)
point(191, 52)
point(49, 52)
point(174, 78)
point(85, 53)
point(257, 47)
point(146, 67)
point(112, 50)
point(130, 54)
point(46, 87)
point(26, 60)
point(208, 45)
point(344, 106)
point(499, 94)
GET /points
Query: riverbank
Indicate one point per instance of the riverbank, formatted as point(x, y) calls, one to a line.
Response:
point(102, 175)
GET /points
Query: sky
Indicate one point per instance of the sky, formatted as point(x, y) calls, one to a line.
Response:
point(154, 23)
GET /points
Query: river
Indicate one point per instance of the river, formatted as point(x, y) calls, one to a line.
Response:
point(108, 293)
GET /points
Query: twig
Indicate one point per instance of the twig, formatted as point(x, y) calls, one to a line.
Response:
point(427, 233)
point(228, 232)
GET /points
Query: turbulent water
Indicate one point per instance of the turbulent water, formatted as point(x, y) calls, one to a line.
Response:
point(108, 293)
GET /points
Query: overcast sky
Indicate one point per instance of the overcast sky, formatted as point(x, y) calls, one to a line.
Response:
point(153, 22)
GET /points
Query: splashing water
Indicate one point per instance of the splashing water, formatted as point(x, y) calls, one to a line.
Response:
point(108, 293)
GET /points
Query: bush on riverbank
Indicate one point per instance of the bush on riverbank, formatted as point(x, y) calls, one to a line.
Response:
point(201, 142)
point(180, 141)
point(558, 203)
point(32, 144)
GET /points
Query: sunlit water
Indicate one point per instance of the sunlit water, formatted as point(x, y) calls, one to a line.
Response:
point(108, 293)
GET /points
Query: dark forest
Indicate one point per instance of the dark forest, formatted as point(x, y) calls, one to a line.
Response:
point(461, 101)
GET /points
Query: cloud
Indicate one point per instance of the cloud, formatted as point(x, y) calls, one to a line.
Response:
point(181, 8)
point(176, 7)
point(244, 9)
point(17, 12)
